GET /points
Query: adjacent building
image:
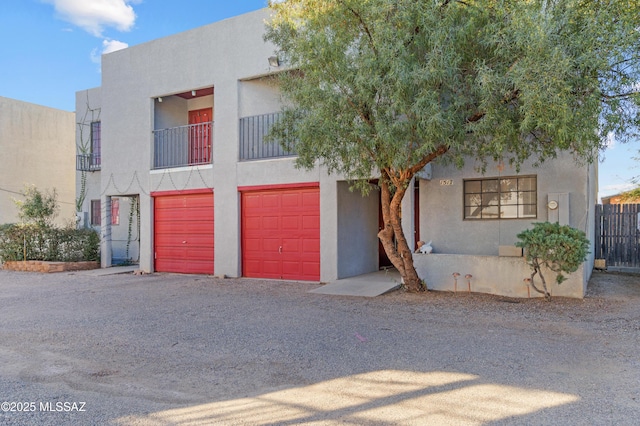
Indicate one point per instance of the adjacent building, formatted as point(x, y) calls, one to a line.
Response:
point(174, 170)
point(620, 199)
point(37, 146)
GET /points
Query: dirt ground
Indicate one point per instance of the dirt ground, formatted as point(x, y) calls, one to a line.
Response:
point(166, 349)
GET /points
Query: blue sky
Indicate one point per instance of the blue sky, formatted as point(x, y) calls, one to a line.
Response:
point(50, 49)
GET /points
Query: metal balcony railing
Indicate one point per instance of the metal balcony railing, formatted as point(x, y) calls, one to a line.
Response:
point(88, 162)
point(188, 145)
point(252, 144)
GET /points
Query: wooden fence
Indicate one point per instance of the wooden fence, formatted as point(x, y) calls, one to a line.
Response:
point(618, 234)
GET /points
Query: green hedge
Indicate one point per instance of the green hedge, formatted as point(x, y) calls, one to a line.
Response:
point(48, 243)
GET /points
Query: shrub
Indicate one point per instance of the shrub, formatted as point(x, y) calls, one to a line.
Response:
point(560, 248)
point(38, 239)
point(33, 242)
point(38, 207)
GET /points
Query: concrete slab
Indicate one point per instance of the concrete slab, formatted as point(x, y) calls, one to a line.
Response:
point(367, 285)
point(109, 271)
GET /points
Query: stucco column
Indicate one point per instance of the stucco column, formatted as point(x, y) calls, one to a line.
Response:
point(146, 233)
point(328, 227)
point(226, 203)
point(105, 230)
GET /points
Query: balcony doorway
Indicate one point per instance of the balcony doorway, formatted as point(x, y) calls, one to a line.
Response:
point(200, 135)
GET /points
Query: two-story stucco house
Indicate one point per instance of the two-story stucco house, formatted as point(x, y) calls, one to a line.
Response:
point(36, 145)
point(180, 131)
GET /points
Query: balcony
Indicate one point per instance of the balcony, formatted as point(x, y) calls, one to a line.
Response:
point(252, 144)
point(181, 146)
point(88, 162)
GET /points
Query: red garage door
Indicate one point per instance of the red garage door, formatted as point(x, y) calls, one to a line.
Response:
point(281, 233)
point(183, 232)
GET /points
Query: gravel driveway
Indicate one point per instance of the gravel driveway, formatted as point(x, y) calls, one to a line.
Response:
point(173, 349)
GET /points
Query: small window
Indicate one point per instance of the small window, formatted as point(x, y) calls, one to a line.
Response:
point(501, 198)
point(115, 211)
point(96, 142)
point(95, 212)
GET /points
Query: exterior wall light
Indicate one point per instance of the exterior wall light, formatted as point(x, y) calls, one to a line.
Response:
point(159, 99)
point(193, 93)
point(274, 61)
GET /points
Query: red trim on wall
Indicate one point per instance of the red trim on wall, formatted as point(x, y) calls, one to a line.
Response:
point(183, 192)
point(278, 186)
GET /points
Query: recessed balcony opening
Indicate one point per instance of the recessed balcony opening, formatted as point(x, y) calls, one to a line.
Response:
point(183, 129)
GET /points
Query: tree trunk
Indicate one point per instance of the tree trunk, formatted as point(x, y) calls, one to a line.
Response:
point(399, 253)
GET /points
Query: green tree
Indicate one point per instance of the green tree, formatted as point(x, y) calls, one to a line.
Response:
point(560, 248)
point(37, 207)
point(380, 88)
point(631, 196)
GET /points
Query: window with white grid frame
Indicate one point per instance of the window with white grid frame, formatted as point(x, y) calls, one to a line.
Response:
point(513, 197)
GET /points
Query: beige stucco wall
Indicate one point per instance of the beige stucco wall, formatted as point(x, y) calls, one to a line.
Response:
point(37, 146)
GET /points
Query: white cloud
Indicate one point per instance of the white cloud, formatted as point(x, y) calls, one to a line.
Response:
point(108, 46)
point(113, 45)
point(95, 15)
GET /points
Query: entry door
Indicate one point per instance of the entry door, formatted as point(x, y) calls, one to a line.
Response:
point(200, 136)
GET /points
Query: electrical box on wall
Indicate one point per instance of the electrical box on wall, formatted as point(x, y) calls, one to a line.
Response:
point(82, 220)
point(558, 207)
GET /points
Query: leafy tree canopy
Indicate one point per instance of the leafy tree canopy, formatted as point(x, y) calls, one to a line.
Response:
point(387, 82)
point(38, 207)
point(383, 87)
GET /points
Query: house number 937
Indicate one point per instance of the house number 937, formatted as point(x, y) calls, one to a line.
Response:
point(446, 182)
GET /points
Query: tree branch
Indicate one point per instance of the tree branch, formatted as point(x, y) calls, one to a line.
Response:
point(508, 98)
point(441, 150)
point(365, 28)
point(620, 95)
point(475, 117)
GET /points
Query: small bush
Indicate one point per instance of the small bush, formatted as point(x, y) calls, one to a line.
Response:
point(38, 239)
point(560, 248)
point(33, 242)
point(38, 207)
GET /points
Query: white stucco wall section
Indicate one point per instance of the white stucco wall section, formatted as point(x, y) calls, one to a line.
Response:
point(471, 246)
point(491, 274)
point(220, 55)
point(442, 205)
point(357, 229)
point(231, 57)
point(88, 109)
